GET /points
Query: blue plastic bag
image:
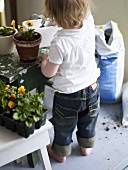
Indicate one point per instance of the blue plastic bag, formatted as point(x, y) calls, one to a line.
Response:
point(110, 52)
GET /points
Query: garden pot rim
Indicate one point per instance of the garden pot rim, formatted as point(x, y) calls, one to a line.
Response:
point(7, 36)
point(23, 41)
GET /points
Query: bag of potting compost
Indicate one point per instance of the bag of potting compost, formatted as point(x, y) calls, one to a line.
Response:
point(110, 53)
point(125, 104)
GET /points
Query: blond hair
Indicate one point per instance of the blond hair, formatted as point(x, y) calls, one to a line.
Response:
point(66, 13)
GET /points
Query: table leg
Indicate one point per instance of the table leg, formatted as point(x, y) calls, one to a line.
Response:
point(33, 159)
point(18, 160)
point(44, 158)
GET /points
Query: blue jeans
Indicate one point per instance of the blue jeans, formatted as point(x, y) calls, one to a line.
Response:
point(70, 110)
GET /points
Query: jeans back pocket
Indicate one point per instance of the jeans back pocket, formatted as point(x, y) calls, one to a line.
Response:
point(94, 108)
point(64, 116)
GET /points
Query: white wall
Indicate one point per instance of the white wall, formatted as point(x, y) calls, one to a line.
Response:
point(25, 8)
point(116, 10)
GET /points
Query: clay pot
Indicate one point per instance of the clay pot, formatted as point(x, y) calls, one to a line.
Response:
point(27, 50)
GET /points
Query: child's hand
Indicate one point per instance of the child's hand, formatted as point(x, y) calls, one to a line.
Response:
point(45, 56)
point(47, 68)
point(44, 59)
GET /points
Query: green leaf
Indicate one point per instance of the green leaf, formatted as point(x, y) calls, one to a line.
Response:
point(16, 116)
point(40, 100)
point(6, 31)
point(26, 100)
point(20, 103)
point(28, 124)
point(36, 118)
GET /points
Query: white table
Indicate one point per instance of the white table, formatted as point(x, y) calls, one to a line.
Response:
point(13, 146)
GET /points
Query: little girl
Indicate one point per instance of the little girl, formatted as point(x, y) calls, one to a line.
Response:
point(71, 61)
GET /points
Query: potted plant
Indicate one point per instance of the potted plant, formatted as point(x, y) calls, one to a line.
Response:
point(6, 39)
point(7, 98)
point(28, 112)
point(27, 43)
point(39, 111)
point(22, 108)
point(2, 88)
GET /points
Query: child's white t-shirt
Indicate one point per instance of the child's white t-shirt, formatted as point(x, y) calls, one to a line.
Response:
point(74, 51)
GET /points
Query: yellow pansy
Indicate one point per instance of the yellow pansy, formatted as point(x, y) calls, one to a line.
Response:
point(13, 24)
point(21, 89)
point(29, 23)
point(7, 87)
point(21, 27)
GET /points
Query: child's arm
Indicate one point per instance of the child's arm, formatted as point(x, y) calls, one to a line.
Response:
point(47, 68)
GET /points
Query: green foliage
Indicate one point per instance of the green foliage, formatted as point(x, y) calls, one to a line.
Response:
point(24, 106)
point(29, 109)
point(6, 31)
point(5, 91)
point(2, 92)
point(2, 85)
point(29, 35)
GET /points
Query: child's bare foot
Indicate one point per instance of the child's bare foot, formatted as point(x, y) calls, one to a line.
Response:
point(55, 156)
point(86, 151)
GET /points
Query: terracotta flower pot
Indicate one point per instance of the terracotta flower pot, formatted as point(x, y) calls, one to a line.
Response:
point(27, 50)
